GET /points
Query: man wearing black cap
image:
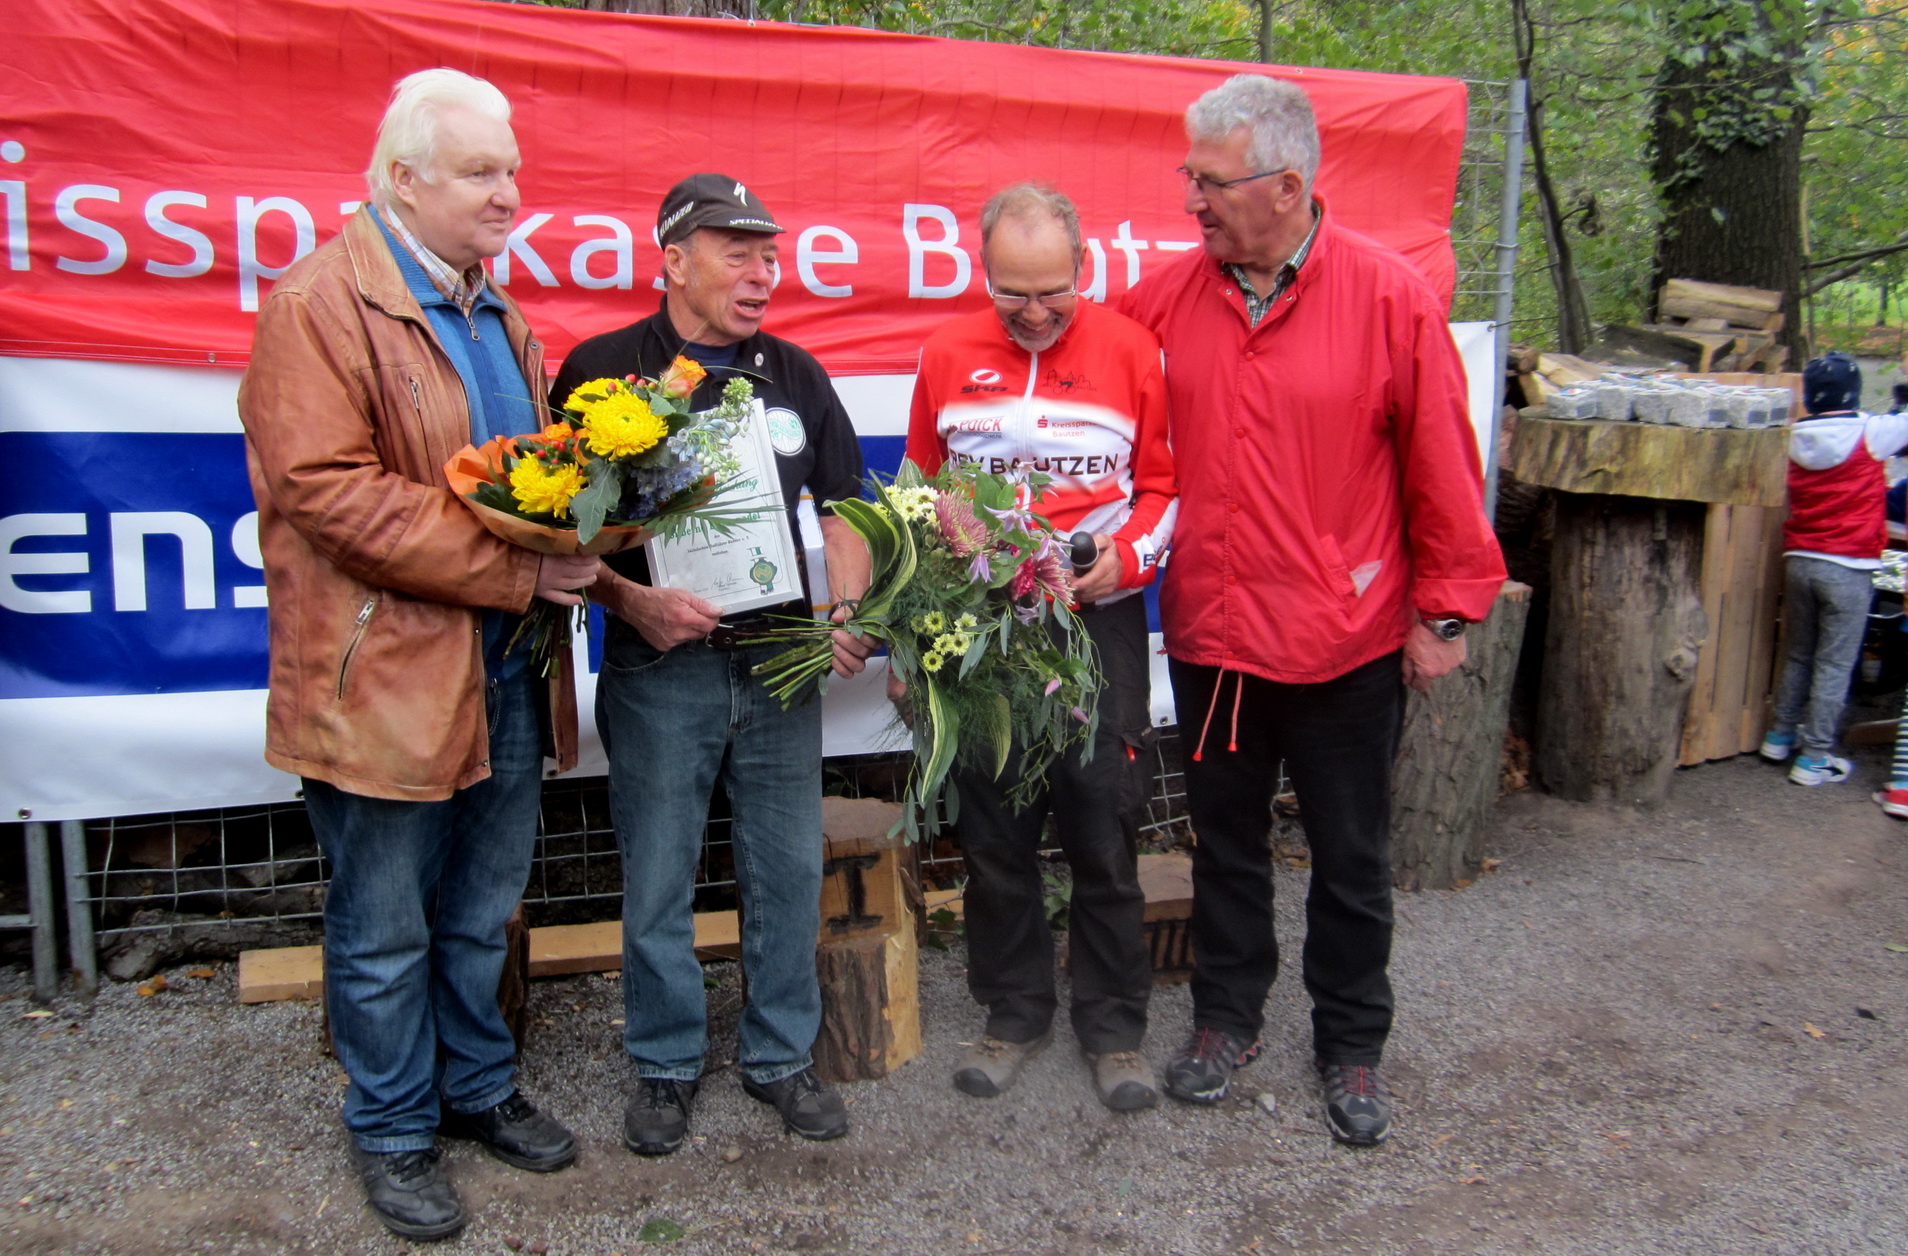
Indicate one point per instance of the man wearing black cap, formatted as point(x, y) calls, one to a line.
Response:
point(680, 711)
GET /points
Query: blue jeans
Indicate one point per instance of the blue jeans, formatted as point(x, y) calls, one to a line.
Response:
point(674, 726)
point(1825, 616)
point(414, 934)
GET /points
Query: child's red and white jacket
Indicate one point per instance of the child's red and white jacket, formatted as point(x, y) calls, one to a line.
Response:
point(1090, 411)
point(1836, 486)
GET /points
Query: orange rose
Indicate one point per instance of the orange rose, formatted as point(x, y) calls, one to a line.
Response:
point(558, 431)
point(682, 377)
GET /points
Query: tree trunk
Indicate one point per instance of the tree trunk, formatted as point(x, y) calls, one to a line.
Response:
point(1626, 629)
point(1574, 332)
point(1727, 165)
point(1450, 755)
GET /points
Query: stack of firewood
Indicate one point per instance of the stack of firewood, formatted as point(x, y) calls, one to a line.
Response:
point(1711, 328)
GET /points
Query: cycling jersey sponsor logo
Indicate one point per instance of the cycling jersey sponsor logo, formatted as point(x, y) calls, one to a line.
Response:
point(985, 376)
point(1077, 466)
point(1072, 382)
point(976, 425)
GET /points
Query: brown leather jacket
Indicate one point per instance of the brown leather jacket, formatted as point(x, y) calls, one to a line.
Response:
point(375, 571)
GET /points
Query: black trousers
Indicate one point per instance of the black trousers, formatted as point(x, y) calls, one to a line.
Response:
point(1096, 807)
point(1337, 739)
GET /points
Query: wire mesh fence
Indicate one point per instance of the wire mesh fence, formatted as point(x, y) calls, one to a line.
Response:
point(260, 866)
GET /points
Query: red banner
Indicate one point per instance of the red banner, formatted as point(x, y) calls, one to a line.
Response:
point(162, 162)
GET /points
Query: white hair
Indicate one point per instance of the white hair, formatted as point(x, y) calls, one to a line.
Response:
point(409, 130)
point(1276, 113)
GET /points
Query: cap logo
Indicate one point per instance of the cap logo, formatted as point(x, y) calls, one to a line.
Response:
point(741, 194)
point(677, 217)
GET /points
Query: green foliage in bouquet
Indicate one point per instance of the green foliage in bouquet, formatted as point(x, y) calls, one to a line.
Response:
point(972, 597)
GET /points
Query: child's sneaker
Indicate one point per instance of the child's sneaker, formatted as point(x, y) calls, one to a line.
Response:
point(1894, 799)
point(1777, 747)
point(1827, 770)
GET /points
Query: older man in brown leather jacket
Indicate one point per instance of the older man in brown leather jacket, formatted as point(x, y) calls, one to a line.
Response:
point(419, 734)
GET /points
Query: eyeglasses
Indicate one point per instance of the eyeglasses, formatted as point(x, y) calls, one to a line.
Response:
point(1015, 301)
point(1207, 184)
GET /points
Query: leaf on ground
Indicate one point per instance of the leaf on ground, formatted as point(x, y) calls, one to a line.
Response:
point(202, 973)
point(1442, 1138)
point(1896, 947)
point(660, 1230)
point(38, 1013)
point(1865, 1014)
point(1492, 865)
point(1812, 1031)
point(149, 988)
point(1471, 1181)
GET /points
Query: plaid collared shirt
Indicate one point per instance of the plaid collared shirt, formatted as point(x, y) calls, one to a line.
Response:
point(460, 290)
point(1257, 307)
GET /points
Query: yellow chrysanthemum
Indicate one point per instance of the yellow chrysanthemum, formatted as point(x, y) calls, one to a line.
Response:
point(913, 503)
point(948, 643)
point(587, 394)
point(622, 424)
point(934, 621)
point(932, 660)
point(920, 624)
point(967, 621)
point(545, 490)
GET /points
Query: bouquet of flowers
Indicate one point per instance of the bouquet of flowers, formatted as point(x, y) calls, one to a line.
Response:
point(629, 461)
point(966, 585)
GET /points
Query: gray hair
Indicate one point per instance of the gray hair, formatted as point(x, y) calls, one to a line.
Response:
point(1025, 201)
point(409, 130)
point(1278, 115)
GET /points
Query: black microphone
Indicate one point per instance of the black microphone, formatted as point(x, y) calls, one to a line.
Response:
point(1084, 551)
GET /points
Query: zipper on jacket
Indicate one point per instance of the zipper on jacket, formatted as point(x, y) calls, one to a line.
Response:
point(1026, 409)
point(471, 318)
point(417, 398)
point(357, 635)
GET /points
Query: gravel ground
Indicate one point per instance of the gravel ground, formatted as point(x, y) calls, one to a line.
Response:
point(1677, 1031)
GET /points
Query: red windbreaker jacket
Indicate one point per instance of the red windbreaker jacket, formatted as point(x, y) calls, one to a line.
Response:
point(1836, 485)
point(1329, 482)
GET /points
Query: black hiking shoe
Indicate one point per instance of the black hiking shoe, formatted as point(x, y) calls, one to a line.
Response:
point(657, 1117)
point(517, 1133)
point(1357, 1103)
point(1202, 1069)
point(808, 1108)
point(409, 1192)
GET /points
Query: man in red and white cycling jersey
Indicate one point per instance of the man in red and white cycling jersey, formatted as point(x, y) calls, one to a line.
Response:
point(1048, 382)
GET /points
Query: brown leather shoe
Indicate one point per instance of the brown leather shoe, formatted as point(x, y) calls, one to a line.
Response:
point(989, 1066)
point(1124, 1080)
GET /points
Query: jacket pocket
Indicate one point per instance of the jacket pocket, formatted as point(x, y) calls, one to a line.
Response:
point(358, 628)
point(1337, 576)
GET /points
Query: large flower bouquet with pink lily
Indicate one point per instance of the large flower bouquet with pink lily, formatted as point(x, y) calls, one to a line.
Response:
point(968, 587)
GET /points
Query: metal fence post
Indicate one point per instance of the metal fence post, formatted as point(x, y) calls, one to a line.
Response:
point(46, 973)
point(1508, 207)
point(79, 911)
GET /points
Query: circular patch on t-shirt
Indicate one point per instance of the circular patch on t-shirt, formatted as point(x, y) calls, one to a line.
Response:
point(786, 432)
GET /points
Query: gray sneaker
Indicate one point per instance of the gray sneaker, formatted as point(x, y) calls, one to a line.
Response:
point(1124, 1080)
point(990, 1066)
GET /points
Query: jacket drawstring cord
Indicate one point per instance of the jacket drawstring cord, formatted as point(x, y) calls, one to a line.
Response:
point(1199, 751)
point(1238, 692)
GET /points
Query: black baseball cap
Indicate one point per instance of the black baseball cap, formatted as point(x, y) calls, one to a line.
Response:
point(711, 200)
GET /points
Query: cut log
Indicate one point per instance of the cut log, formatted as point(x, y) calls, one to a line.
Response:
point(871, 1006)
point(1564, 369)
point(1626, 628)
point(1767, 300)
point(1451, 752)
point(1743, 467)
point(1760, 308)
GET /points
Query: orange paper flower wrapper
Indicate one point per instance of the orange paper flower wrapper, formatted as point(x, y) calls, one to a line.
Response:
point(473, 466)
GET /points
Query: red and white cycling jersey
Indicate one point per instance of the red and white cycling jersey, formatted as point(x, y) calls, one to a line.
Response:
point(1090, 411)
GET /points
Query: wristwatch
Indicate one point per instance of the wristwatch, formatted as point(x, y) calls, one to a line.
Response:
point(1444, 629)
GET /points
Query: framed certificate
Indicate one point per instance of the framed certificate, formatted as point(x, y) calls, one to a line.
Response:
point(755, 564)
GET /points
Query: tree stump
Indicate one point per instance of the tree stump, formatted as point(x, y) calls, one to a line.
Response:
point(1626, 629)
point(1450, 755)
point(871, 1016)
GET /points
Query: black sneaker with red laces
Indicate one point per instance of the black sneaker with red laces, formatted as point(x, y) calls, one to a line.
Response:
point(1357, 1103)
point(1202, 1069)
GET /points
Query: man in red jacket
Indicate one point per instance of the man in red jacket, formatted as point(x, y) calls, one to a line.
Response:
point(1331, 548)
point(1048, 381)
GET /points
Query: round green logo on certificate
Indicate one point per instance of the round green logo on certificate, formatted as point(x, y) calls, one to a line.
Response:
point(763, 572)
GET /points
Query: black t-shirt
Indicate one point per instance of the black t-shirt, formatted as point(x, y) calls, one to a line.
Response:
point(815, 444)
